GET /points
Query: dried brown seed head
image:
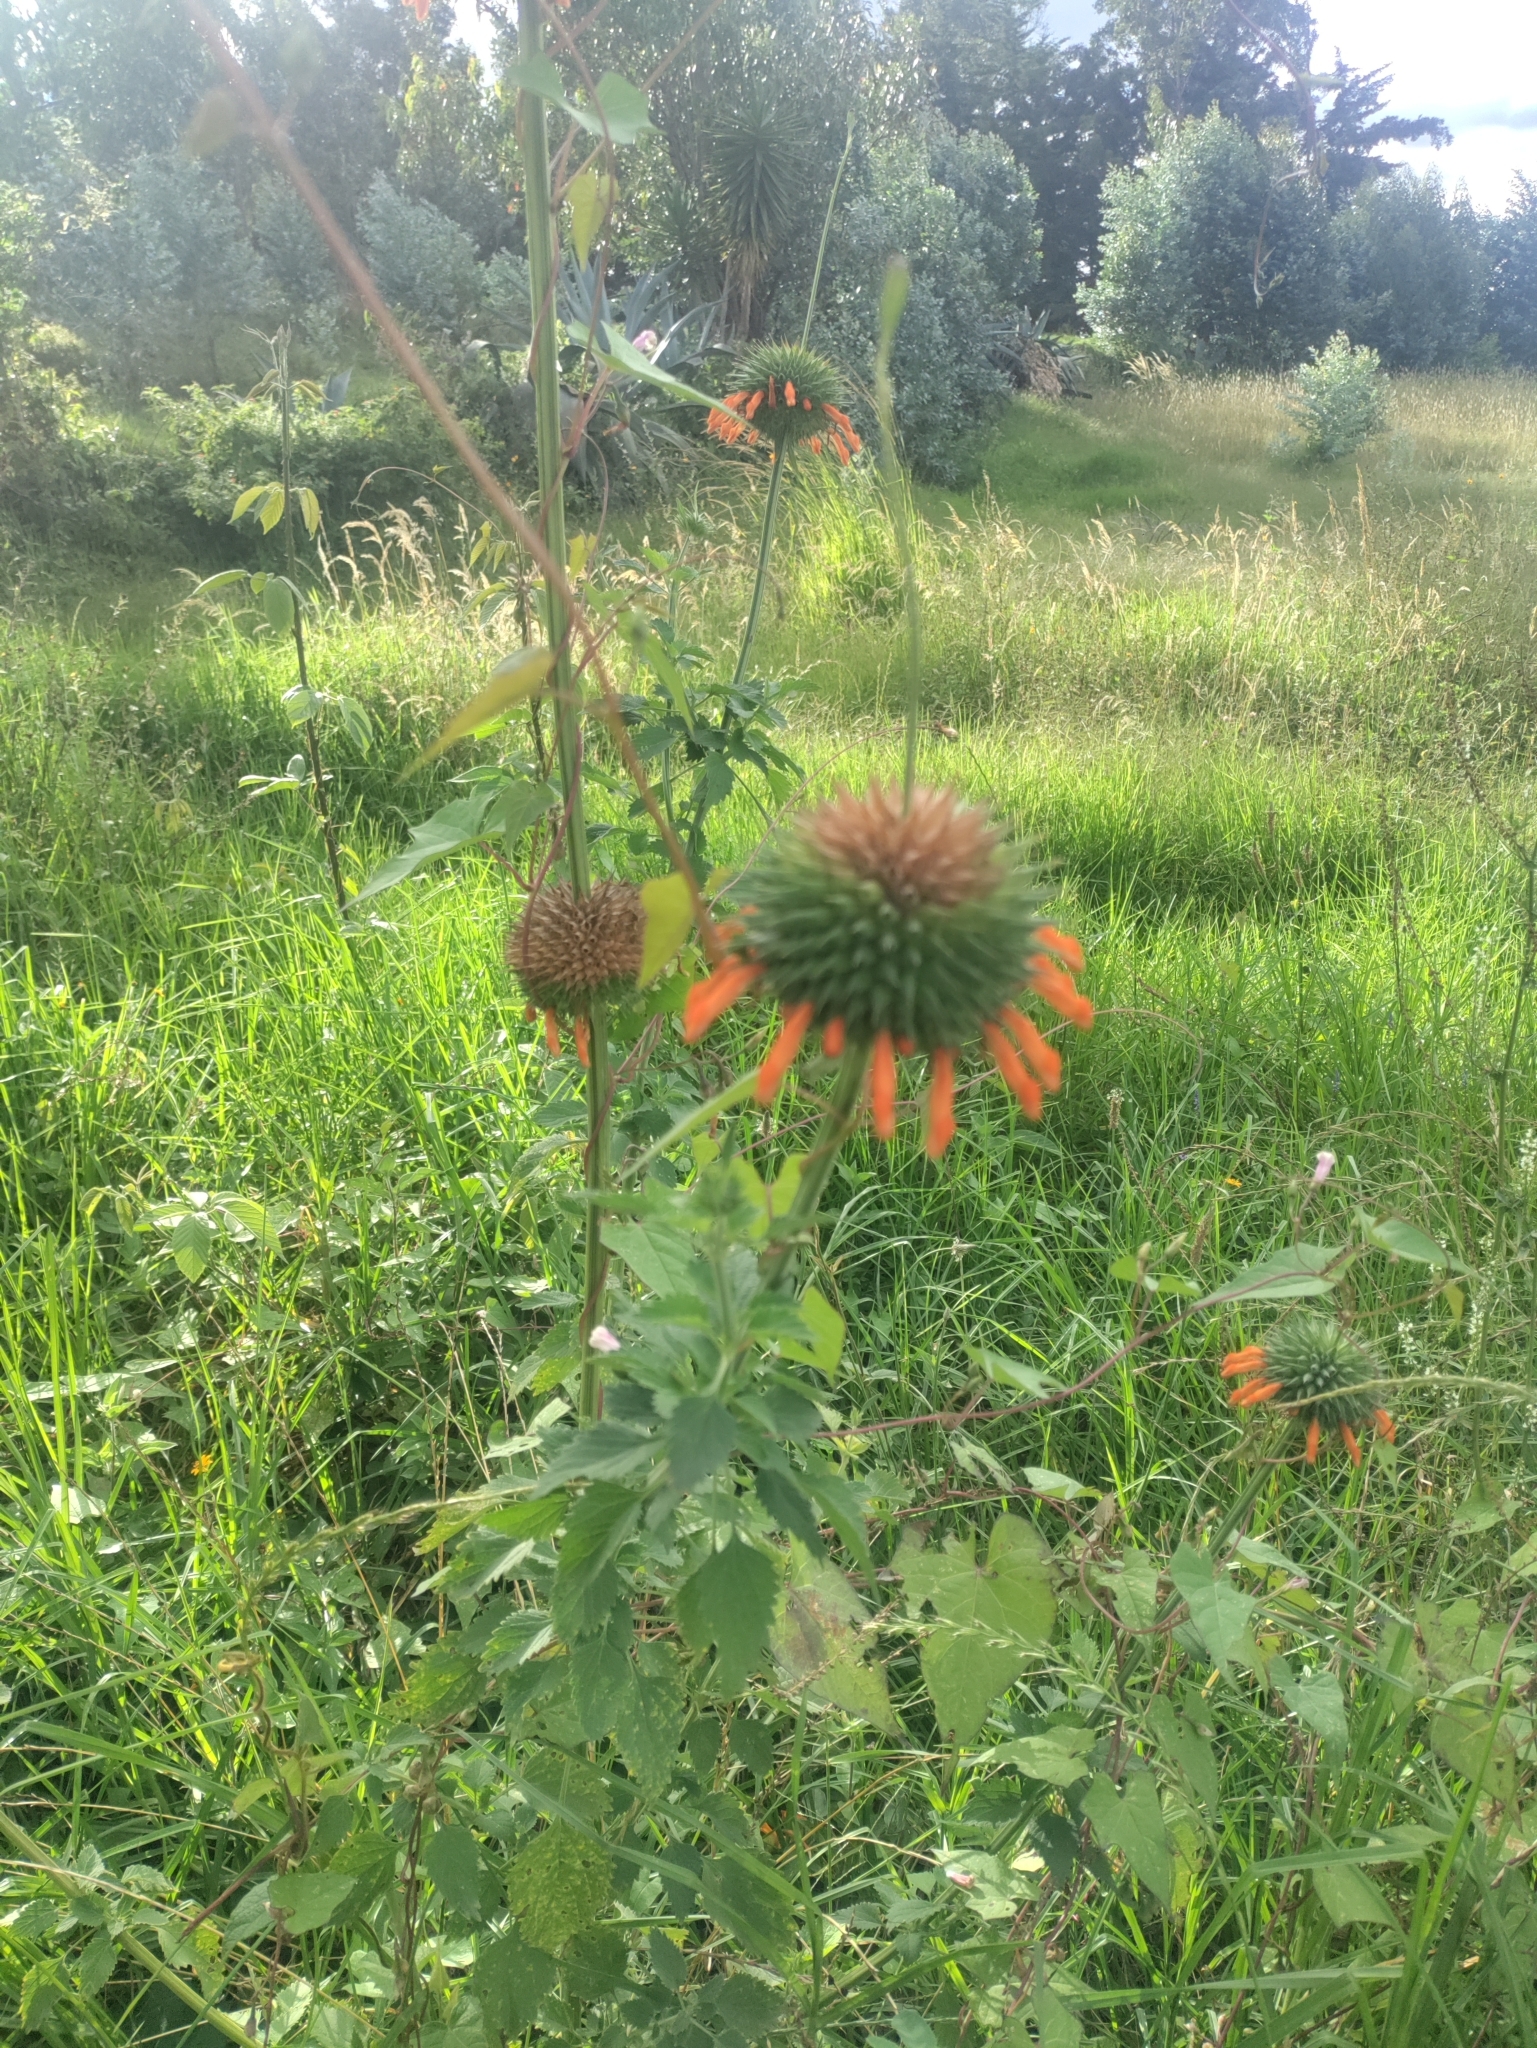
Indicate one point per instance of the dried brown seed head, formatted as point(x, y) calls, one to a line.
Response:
point(568, 951)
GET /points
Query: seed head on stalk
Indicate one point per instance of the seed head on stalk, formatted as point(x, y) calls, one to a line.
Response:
point(788, 396)
point(570, 951)
point(905, 928)
point(1319, 1376)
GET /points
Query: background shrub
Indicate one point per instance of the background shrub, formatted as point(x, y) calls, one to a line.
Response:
point(1414, 278)
point(1187, 236)
point(963, 212)
point(1339, 402)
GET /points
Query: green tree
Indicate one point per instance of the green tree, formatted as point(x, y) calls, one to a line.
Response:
point(963, 213)
point(1194, 55)
point(1415, 277)
point(1068, 112)
point(1511, 245)
point(1218, 253)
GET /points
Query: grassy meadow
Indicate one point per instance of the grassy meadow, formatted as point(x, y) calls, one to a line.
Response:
point(283, 1231)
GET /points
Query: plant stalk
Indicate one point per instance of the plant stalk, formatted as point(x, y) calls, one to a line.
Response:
point(534, 144)
point(311, 735)
point(765, 546)
point(893, 300)
point(842, 1115)
point(827, 228)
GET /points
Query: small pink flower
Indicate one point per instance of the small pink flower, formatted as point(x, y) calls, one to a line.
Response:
point(603, 1339)
point(646, 340)
point(1323, 1168)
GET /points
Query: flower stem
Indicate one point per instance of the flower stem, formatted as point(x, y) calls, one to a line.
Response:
point(842, 1115)
point(765, 544)
point(827, 228)
point(893, 300)
point(533, 140)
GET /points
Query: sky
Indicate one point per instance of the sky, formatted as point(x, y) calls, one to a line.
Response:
point(1475, 65)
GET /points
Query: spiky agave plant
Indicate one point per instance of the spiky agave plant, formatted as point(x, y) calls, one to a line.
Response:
point(1319, 1376)
point(895, 928)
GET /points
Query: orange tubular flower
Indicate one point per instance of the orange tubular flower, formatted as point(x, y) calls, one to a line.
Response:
point(941, 1107)
point(789, 398)
point(583, 1039)
point(899, 927)
point(883, 1088)
point(709, 1000)
point(1318, 1375)
point(782, 1053)
point(552, 1033)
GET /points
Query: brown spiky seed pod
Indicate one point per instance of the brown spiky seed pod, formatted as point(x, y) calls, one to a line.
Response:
point(569, 951)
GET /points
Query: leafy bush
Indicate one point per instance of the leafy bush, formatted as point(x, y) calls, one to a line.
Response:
point(1216, 254)
point(424, 262)
point(159, 277)
point(1340, 401)
point(1511, 245)
point(970, 267)
point(1414, 273)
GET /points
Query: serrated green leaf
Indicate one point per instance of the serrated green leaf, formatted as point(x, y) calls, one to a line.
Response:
point(452, 1861)
point(1132, 1823)
point(729, 1601)
point(308, 1899)
point(444, 1684)
point(96, 1964)
point(1289, 1275)
point(191, 1244)
point(701, 1435)
point(818, 1642)
point(270, 511)
point(825, 1327)
point(669, 911)
point(650, 1717)
point(1219, 1613)
point(510, 1979)
point(992, 1613)
point(558, 1885)
point(586, 1583)
point(369, 1860)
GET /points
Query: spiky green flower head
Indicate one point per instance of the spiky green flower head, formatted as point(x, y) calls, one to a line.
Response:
point(1309, 1367)
point(898, 923)
point(788, 395)
point(916, 921)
